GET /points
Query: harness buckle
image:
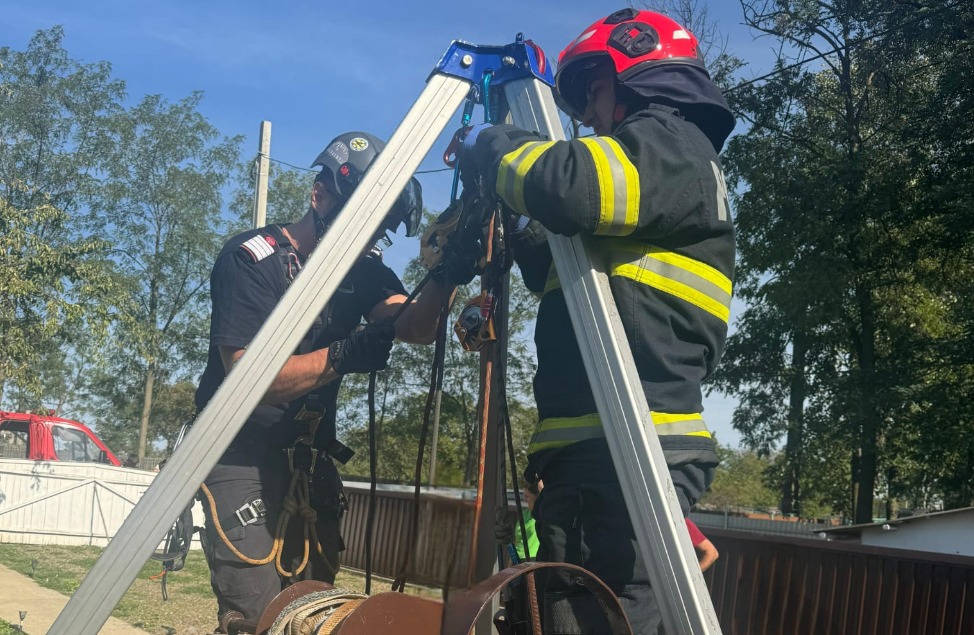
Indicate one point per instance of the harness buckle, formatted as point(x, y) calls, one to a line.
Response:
point(302, 455)
point(251, 512)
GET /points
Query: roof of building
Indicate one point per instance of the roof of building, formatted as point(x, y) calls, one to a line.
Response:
point(851, 531)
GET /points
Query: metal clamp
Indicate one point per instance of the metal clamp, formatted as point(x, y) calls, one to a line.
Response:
point(305, 462)
point(251, 512)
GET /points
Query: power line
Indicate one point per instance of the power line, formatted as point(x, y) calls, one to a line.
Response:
point(298, 167)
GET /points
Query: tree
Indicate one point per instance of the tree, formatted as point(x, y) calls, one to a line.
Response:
point(288, 193)
point(834, 238)
point(741, 482)
point(54, 283)
point(160, 204)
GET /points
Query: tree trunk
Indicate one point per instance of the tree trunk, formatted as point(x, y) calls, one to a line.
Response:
point(791, 491)
point(868, 412)
point(150, 380)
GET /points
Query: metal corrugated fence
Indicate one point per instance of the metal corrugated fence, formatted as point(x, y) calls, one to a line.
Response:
point(762, 584)
point(777, 585)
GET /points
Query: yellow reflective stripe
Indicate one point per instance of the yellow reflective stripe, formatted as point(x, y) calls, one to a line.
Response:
point(514, 168)
point(618, 187)
point(668, 423)
point(552, 282)
point(558, 432)
point(695, 267)
point(686, 278)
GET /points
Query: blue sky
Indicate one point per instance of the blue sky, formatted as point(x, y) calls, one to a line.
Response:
point(315, 69)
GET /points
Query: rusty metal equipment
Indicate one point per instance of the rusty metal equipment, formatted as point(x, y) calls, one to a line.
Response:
point(317, 608)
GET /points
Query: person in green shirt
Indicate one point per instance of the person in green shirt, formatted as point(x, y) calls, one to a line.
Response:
point(531, 491)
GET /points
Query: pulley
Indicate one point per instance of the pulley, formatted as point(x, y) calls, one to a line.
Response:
point(475, 326)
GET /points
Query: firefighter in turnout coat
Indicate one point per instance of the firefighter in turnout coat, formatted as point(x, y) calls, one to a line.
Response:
point(649, 191)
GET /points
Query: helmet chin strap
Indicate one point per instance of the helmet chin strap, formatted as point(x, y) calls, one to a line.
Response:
point(321, 225)
point(619, 113)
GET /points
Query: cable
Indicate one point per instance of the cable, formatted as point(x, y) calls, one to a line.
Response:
point(298, 167)
point(290, 165)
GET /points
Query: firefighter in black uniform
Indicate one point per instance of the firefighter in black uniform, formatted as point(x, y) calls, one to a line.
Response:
point(649, 191)
point(293, 429)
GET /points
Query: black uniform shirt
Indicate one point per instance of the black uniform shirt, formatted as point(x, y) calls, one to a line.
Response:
point(245, 288)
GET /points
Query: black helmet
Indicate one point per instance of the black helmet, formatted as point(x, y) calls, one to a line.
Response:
point(343, 163)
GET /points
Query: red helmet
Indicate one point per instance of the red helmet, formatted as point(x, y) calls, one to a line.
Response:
point(632, 40)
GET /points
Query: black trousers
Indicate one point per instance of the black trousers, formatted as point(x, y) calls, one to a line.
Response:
point(581, 518)
point(247, 474)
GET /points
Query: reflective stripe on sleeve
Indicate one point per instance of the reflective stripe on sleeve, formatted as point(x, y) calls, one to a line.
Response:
point(514, 168)
point(618, 187)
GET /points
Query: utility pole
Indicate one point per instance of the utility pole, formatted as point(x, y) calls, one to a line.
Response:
point(263, 165)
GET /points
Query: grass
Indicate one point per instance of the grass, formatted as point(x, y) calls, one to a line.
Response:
point(9, 629)
point(191, 608)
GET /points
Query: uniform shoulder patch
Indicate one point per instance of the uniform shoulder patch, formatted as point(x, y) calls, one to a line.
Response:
point(259, 247)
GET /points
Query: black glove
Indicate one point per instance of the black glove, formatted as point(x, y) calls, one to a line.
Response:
point(481, 155)
point(456, 269)
point(365, 349)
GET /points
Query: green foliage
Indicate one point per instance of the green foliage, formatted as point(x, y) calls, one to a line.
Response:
point(54, 283)
point(288, 193)
point(851, 256)
point(161, 202)
point(8, 629)
point(741, 483)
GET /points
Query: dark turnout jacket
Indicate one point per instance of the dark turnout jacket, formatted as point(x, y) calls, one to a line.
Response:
point(653, 199)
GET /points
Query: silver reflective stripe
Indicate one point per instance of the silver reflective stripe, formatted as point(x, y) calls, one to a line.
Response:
point(618, 187)
point(690, 280)
point(564, 436)
point(722, 202)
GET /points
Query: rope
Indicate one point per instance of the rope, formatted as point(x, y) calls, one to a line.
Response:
point(297, 502)
point(304, 615)
point(436, 383)
point(370, 516)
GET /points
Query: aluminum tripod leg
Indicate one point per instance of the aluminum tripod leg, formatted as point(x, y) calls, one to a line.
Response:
point(681, 593)
point(90, 606)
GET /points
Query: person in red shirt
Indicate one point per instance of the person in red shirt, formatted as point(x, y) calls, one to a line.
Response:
point(706, 551)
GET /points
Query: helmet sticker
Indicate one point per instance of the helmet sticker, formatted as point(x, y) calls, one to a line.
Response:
point(358, 144)
point(681, 35)
point(581, 38)
point(338, 151)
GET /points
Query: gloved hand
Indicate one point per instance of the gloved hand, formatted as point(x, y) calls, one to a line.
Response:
point(457, 268)
point(470, 140)
point(471, 165)
point(365, 349)
point(481, 153)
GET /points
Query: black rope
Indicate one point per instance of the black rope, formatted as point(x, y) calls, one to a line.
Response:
point(412, 296)
point(436, 382)
point(370, 517)
point(505, 413)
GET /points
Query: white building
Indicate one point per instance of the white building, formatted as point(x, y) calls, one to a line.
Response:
point(949, 532)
